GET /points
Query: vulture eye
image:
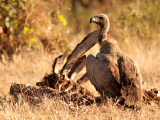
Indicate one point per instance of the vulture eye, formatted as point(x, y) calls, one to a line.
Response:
point(101, 18)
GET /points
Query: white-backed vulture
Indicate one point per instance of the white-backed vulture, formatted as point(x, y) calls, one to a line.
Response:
point(112, 72)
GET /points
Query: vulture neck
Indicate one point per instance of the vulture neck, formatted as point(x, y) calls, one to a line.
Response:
point(108, 46)
point(103, 33)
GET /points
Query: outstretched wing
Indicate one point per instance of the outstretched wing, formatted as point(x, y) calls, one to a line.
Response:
point(89, 41)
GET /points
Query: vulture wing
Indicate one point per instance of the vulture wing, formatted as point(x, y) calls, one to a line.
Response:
point(130, 80)
point(101, 71)
point(89, 41)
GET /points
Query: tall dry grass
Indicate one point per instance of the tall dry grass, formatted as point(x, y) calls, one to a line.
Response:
point(30, 67)
point(56, 110)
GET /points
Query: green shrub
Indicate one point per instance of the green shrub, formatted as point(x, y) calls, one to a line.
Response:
point(12, 18)
point(28, 24)
point(140, 18)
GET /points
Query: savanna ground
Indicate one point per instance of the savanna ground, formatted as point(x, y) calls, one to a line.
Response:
point(30, 42)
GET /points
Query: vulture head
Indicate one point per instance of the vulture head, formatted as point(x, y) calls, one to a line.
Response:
point(102, 20)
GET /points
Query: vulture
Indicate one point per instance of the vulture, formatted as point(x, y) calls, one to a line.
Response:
point(113, 73)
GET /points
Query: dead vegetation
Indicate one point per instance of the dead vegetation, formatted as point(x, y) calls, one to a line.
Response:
point(20, 72)
point(141, 41)
point(60, 84)
point(38, 63)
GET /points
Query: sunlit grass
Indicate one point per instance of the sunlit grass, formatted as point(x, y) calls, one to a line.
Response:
point(30, 67)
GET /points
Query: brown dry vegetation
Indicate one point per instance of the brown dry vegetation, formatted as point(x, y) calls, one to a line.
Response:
point(29, 66)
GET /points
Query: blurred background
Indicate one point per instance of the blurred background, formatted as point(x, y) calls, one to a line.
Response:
point(54, 24)
point(57, 25)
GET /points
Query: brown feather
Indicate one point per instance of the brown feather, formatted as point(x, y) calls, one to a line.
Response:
point(112, 72)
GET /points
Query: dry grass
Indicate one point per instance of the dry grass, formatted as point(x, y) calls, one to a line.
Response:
point(30, 67)
point(56, 110)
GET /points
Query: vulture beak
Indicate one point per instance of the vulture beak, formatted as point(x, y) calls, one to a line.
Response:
point(94, 19)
